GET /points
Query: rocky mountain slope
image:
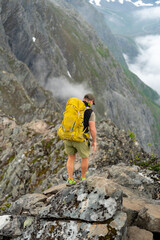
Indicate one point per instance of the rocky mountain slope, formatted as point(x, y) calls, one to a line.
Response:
point(97, 20)
point(21, 96)
point(117, 198)
point(49, 43)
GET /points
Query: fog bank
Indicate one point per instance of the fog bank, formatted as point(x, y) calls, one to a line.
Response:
point(146, 64)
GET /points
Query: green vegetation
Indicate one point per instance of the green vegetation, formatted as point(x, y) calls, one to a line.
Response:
point(11, 158)
point(155, 167)
point(104, 52)
point(151, 163)
point(132, 135)
point(4, 207)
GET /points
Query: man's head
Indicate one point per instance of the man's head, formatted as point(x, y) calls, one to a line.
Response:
point(90, 98)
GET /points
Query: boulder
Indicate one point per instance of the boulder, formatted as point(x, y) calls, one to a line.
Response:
point(132, 206)
point(9, 226)
point(135, 233)
point(149, 218)
point(86, 210)
point(75, 229)
point(85, 201)
point(71, 229)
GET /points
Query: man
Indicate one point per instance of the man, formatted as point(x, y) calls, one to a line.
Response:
point(83, 148)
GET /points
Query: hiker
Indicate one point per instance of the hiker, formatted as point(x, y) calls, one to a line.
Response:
point(83, 148)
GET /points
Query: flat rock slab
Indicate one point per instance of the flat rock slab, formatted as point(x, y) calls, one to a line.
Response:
point(134, 204)
point(55, 189)
point(88, 201)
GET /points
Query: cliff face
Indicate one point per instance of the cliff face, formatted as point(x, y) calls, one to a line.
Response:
point(46, 44)
point(21, 96)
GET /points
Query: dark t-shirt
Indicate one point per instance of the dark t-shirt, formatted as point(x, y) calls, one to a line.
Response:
point(87, 115)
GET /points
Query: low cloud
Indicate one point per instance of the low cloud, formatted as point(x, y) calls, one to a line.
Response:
point(147, 13)
point(146, 64)
point(62, 88)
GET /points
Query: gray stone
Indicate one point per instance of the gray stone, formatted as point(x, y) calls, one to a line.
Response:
point(76, 229)
point(10, 226)
point(28, 203)
point(84, 201)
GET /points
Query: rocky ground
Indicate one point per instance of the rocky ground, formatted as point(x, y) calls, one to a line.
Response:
point(119, 200)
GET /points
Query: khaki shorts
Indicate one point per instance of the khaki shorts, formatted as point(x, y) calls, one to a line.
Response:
point(83, 148)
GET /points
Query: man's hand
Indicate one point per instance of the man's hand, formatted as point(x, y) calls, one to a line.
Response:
point(94, 145)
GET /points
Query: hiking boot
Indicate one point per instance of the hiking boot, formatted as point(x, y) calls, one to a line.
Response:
point(70, 182)
point(83, 179)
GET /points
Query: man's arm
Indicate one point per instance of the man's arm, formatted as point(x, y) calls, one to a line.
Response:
point(93, 132)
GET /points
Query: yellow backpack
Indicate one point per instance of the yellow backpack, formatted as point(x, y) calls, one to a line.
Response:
point(72, 127)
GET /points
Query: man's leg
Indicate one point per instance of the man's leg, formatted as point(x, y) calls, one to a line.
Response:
point(84, 166)
point(70, 165)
